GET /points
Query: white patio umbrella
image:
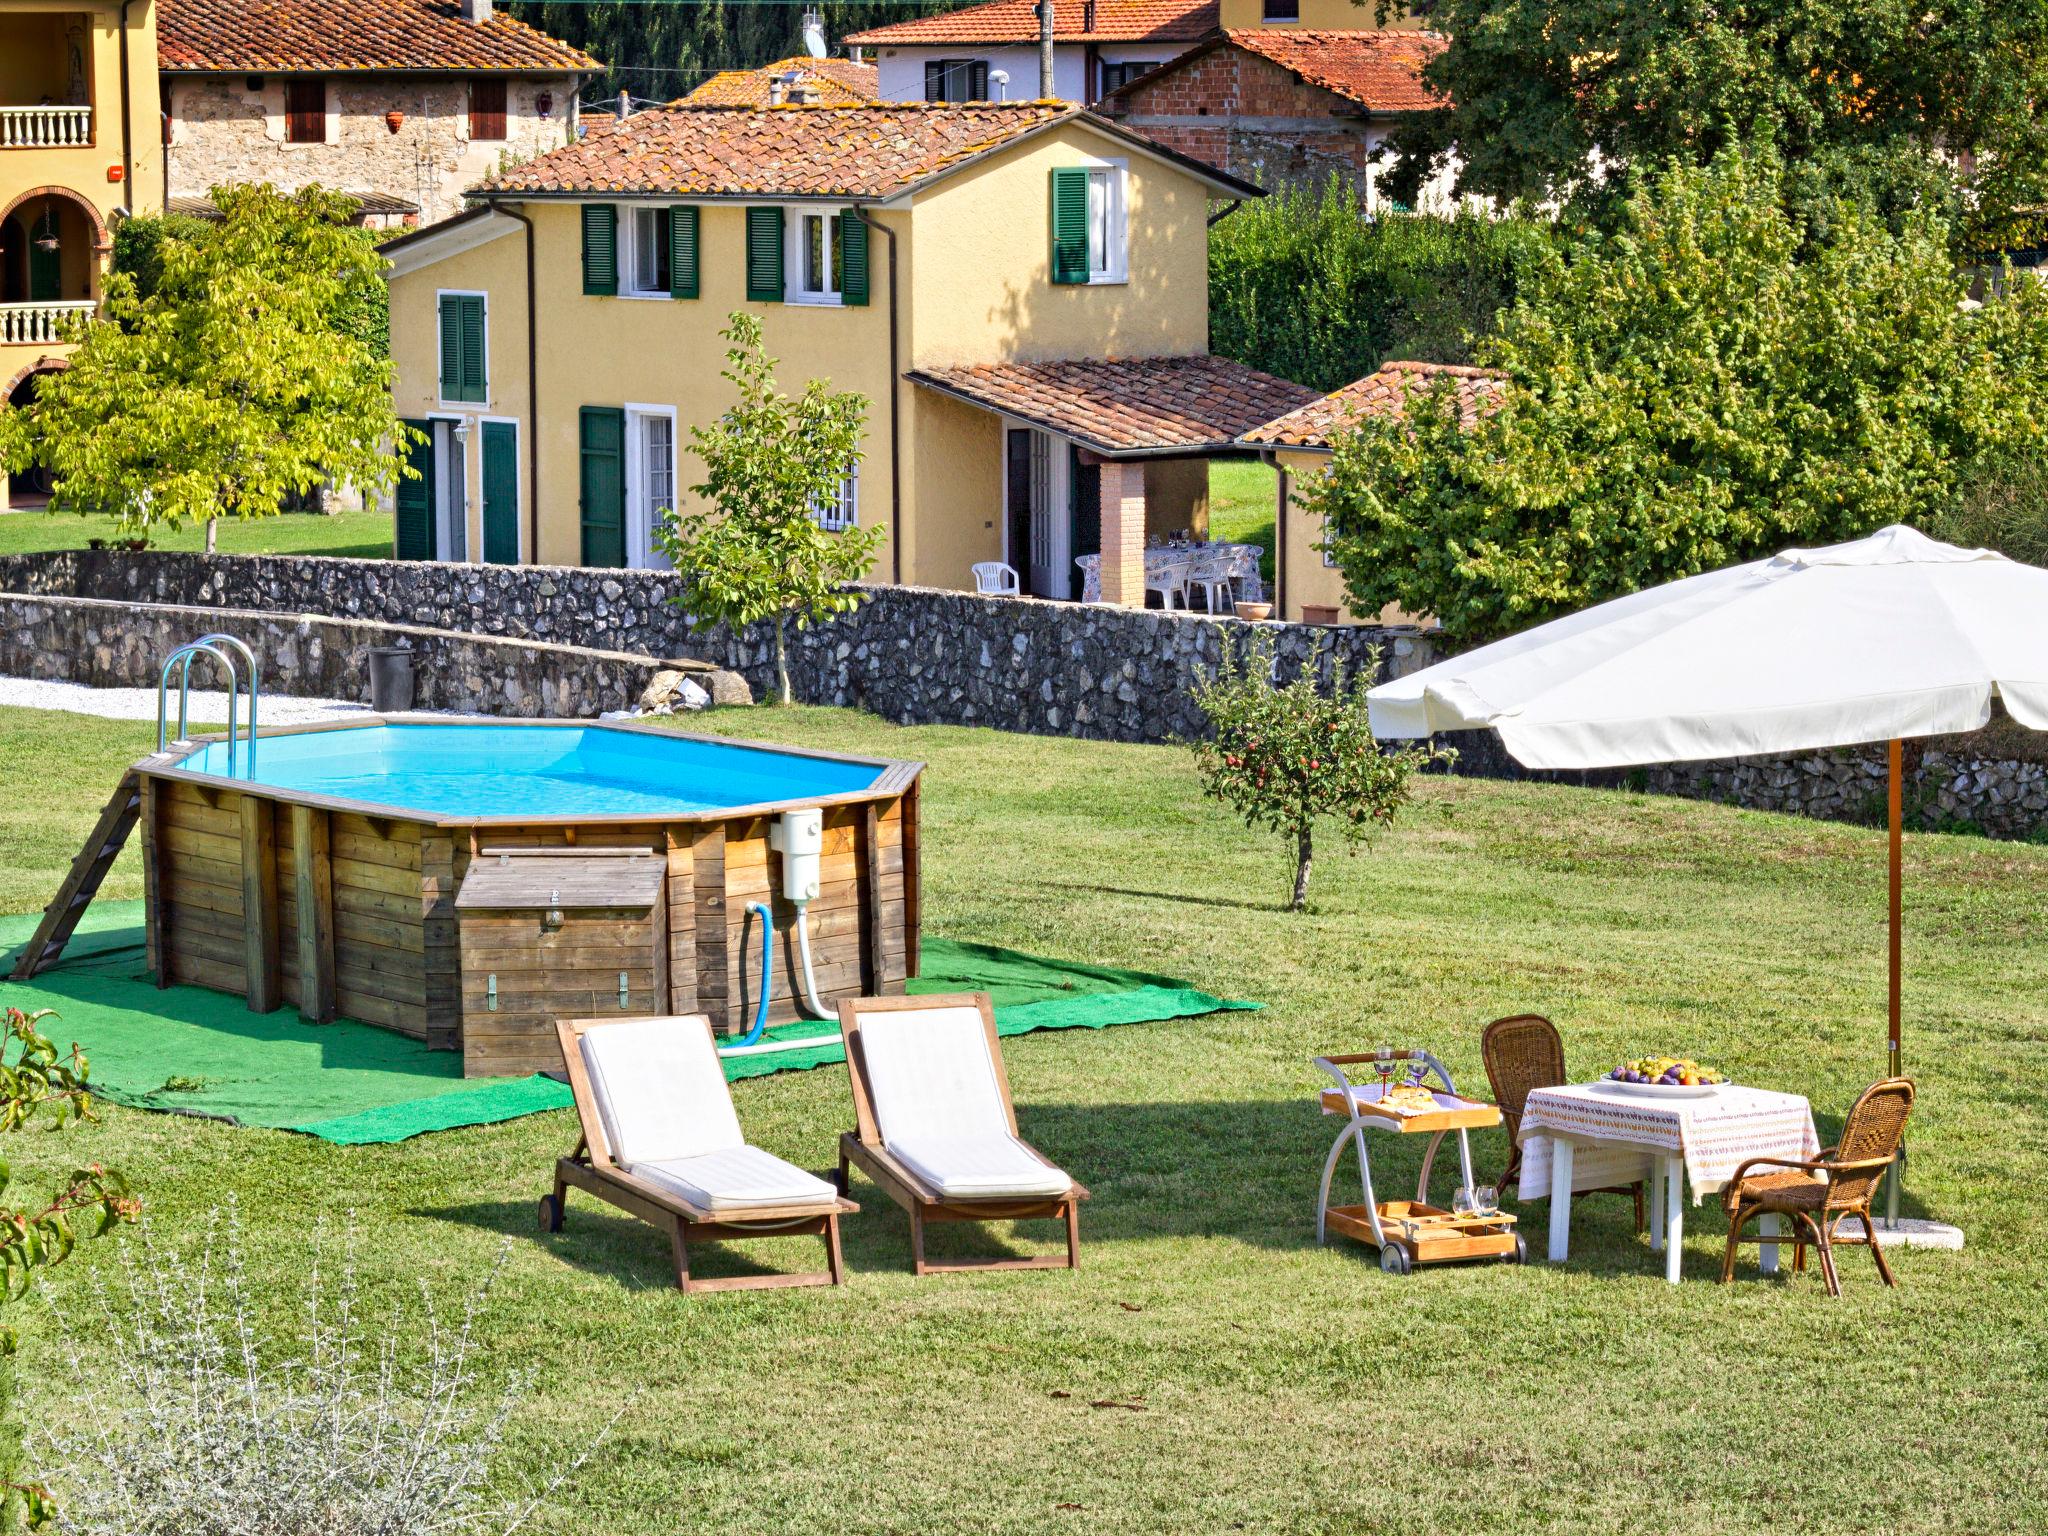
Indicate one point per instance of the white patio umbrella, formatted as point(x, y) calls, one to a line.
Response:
point(1886, 637)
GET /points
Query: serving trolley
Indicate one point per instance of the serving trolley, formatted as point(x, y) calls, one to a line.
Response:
point(1409, 1232)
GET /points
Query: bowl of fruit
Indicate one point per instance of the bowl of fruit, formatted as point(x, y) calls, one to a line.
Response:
point(1665, 1077)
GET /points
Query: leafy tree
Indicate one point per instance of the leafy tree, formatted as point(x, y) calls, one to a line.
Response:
point(1302, 284)
point(1683, 393)
point(1540, 89)
point(36, 1078)
point(770, 463)
point(1286, 757)
point(248, 374)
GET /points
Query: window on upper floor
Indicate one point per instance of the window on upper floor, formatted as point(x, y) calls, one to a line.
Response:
point(841, 510)
point(648, 271)
point(305, 111)
point(1090, 224)
point(1118, 74)
point(465, 357)
point(819, 258)
point(487, 109)
point(956, 79)
point(1282, 10)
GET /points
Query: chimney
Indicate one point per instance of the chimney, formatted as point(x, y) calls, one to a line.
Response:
point(777, 90)
point(802, 93)
point(476, 12)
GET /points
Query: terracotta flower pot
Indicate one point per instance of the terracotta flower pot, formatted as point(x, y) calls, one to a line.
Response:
point(394, 120)
point(1256, 613)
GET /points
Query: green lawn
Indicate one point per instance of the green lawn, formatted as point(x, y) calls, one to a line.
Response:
point(1241, 506)
point(365, 535)
point(1284, 1388)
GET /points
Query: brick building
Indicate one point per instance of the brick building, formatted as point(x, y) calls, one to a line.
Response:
point(1277, 106)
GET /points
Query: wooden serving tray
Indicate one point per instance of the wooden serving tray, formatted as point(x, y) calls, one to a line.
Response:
point(1472, 1116)
point(1441, 1236)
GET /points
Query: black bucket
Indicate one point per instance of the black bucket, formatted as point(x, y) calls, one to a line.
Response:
point(391, 680)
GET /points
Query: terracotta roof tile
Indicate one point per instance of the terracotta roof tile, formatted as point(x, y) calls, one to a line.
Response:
point(837, 82)
point(349, 36)
point(1383, 393)
point(1381, 71)
point(1074, 21)
point(1127, 405)
point(789, 151)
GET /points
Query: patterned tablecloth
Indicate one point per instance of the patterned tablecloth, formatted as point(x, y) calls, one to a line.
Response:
point(1178, 561)
point(1614, 1134)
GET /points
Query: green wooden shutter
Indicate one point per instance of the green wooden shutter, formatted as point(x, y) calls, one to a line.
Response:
point(501, 493)
point(764, 255)
point(604, 485)
point(1070, 224)
point(416, 497)
point(600, 249)
point(682, 252)
point(853, 260)
point(474, 385)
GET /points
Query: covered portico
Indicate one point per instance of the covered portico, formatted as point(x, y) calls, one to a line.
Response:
point(1098, 453)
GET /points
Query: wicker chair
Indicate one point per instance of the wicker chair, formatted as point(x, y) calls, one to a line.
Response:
point(1820, 1195)
point(1522, 1053)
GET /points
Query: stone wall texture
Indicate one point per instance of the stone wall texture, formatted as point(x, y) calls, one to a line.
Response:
point(222, 132)
point(911, 655)
point(115, 644)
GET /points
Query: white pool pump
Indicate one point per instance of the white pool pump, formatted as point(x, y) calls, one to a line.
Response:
point(799, 836)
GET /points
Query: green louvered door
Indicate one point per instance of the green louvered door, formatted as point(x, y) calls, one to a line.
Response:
point(1070, 224)
point(853, 260)
point(764, 255)
point(600, 249)
point(416, 497)
point(604, 485)
point(501, 492)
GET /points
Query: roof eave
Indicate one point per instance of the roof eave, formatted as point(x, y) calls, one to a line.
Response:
point(1058, 429)
point(587, 71)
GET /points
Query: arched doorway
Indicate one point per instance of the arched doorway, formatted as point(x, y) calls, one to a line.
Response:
point(28, 490)
point(51, 245)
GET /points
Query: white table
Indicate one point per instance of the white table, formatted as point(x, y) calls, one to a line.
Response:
point(1165, 562)
point(1586, 1136)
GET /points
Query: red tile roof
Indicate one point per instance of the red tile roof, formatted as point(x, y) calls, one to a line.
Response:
point(837, 82)
point(1384, 393)
point(1381, 71)
point(791, 151)
point(1074, 21)
point(350, 37)
point(1127, 406)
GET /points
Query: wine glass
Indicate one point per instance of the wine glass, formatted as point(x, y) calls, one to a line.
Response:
point(1465, 1202)
point(1486, 1200)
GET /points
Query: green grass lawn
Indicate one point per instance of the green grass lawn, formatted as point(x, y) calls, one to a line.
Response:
point(1241, 506)
point(365, 535)
point(1283, 1387)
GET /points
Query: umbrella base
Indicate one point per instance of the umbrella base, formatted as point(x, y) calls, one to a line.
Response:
point(1911, 1232)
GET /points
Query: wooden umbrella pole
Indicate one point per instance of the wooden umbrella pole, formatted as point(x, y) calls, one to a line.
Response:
point(1897, 817)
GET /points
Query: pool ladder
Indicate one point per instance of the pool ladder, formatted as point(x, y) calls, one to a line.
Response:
point(182, 658)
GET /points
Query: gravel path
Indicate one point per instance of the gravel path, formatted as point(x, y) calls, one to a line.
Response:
point(208, 707)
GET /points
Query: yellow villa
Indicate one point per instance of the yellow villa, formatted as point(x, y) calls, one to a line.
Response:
point(1020, 291)
point(80, 149)
point(1308, 586)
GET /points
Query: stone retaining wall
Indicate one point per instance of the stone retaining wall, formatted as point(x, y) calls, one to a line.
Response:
point(914, 655)
point(110, 644)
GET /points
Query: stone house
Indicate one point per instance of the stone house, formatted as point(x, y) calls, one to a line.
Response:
point(1287, 105)
point(402, 102)
point(1019, 290)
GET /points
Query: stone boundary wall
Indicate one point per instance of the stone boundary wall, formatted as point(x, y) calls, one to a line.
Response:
point(104, 643)
point(913, 655)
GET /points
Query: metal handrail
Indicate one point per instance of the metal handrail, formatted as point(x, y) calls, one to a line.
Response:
point(182, 658)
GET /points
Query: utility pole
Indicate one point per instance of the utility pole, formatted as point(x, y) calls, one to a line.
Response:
point(1045, 86)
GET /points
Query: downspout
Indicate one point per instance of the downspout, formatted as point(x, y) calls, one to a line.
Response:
point(531, 426)
point(127, 153)
point(1279, 535)
point(1221, 215)
point(895, 408)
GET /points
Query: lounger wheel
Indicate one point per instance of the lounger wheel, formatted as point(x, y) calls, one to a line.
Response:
point(550, 1214)
point(1394, 1259)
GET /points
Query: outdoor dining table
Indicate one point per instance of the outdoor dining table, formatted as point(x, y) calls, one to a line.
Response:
point(1162, 561)
point(1591, 1136)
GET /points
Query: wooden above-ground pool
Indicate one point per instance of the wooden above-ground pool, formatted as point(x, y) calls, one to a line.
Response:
point(326, 874)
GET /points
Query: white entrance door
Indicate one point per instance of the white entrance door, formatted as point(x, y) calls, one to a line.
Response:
point(1049, 574)
point(650, 482)
point(451, 496)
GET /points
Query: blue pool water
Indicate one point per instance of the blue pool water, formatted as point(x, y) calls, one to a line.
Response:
point(534, 770)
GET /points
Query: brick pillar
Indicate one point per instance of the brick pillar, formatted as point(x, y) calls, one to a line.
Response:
point(1122, 504)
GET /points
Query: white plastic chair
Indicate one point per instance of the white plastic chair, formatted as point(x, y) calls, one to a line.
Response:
point(1211, 575)
point(995, 579)
point(1168, 578)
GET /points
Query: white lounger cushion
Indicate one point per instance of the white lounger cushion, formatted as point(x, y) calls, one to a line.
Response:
point(660, 1090)
point(939, 1106)
point(737, 1176)
point(980, 1167)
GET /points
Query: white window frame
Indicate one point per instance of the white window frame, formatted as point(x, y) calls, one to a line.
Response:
point(642, 553)
point(843, 511)
point(462, 407)
point(1114, 177)
point(794, 289)
point(632, 287)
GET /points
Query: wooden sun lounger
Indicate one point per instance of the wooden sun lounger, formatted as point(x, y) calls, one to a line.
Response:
point(591, 1169)
point(863, 1148)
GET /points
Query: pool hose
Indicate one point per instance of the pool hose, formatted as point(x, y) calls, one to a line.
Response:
point(807, 990)
point(767, 974)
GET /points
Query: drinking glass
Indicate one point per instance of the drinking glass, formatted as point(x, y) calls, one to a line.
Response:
point(1465, 1202)
point(1486, 1200)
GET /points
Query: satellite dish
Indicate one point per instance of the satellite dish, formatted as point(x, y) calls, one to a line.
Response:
point(814, 34)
